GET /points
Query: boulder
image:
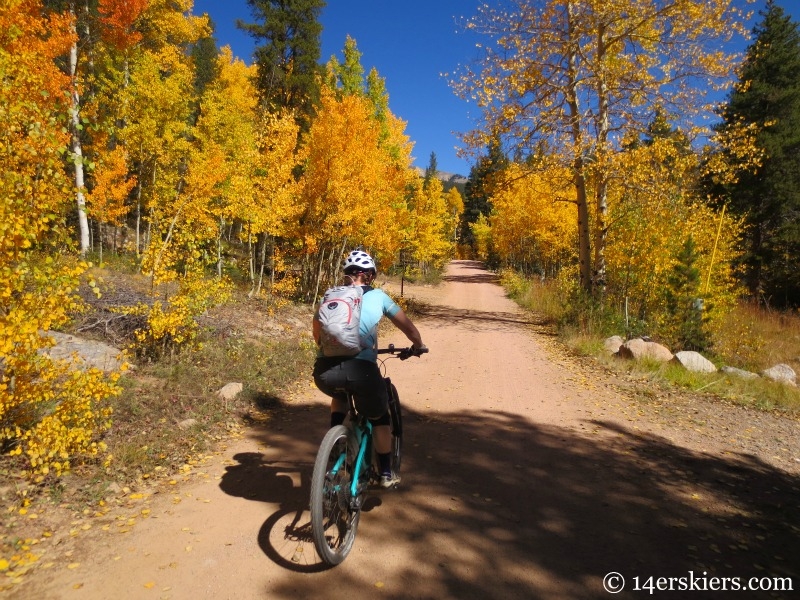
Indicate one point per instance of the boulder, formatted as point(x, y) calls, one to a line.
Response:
point(229, 391)
point(739, 372)
point(637, 349)
point(694, 361)
point(90, 353)
point(781, 373)
point(612, 344)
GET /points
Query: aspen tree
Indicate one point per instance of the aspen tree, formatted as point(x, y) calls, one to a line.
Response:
point(572, 76)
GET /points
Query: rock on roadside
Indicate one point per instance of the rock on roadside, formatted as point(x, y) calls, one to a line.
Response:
point(739, 372)
point(230, 390)
point(781, 373)
point(694, 362)
point(612, 344)
point(638, 348)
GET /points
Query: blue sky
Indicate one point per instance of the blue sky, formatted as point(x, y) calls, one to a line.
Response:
point(411, 43)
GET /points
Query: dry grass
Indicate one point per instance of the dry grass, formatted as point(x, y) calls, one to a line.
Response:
point(543, 298)
point(753, 338)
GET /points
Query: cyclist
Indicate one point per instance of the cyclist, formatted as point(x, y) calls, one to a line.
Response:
point(360, 374)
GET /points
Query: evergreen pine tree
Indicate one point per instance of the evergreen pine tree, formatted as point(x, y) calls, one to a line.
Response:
point(684, 304)
point(204, 56)
point(477, 191)
point(430, 171)
point(768, 95)
point(288, 60)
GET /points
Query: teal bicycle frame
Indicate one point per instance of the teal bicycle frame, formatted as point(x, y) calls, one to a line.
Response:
point(361, 429)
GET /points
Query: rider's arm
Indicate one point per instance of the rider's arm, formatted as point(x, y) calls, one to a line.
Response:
point(404, 324)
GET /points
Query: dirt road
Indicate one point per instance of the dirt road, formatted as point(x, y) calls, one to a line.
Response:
point(525, 476)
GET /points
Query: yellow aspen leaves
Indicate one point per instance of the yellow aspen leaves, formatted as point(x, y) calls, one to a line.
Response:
point(572, 79)
point(50, 412)
point(532, 224)
point(354, 187)
point(188, 171)
point(432, 224)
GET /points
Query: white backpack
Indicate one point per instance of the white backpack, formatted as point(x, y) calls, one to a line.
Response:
point(339, 315)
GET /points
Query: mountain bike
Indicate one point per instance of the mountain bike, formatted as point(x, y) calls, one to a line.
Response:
point(344, 469)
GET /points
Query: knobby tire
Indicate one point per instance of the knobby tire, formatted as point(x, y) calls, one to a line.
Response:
point(333, 524)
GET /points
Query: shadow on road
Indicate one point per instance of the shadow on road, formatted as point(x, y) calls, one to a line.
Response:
point(483, 277)
point(474, 278)
point(524, 510)
point(476, 318)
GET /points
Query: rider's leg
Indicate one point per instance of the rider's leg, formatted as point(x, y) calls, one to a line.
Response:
point(338, 410)
point(382, 436)
point(331, 378)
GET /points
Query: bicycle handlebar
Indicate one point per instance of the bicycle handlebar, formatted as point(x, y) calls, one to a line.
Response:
point(402, 353)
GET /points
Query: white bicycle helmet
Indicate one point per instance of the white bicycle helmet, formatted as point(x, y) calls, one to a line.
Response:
point(358, 260)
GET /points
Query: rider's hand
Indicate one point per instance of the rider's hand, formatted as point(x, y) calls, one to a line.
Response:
point(418, 350)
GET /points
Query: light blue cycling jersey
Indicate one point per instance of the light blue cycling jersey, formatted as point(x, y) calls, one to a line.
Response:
point(374, 306)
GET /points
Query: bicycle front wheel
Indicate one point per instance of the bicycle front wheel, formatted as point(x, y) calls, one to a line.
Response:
point(333, 520)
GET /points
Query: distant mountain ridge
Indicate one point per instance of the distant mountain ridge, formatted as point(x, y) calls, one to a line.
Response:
point(444, 176)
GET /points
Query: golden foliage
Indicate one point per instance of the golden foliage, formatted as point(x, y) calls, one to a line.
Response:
point(50, 412)
point(653, 212)
point(354, 189)
point(112, 185)
point(172, 318)
point(276, 208)
point(482, 232)
point(734, 150)
point(573, 79)
point(532, 223)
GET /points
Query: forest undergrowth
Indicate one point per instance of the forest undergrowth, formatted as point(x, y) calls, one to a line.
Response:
point(168, 416)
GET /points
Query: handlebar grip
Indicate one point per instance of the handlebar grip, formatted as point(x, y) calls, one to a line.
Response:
point(403, 353)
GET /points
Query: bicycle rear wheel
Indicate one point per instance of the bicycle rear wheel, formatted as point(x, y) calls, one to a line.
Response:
point(333, 523)
point(396, 416)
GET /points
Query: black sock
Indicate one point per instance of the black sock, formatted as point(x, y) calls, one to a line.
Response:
point(337, 418)
point(385, 463)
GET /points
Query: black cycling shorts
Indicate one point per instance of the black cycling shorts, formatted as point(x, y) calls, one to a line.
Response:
point(360, 377)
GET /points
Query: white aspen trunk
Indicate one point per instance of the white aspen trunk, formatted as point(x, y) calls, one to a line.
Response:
point(219, 247)
point(601, 213)
point(319, 277)
point(272, 271)
point(578, 167)
point(77, 150)
point(138, 213)
point(263, 261)
point(251, 252)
